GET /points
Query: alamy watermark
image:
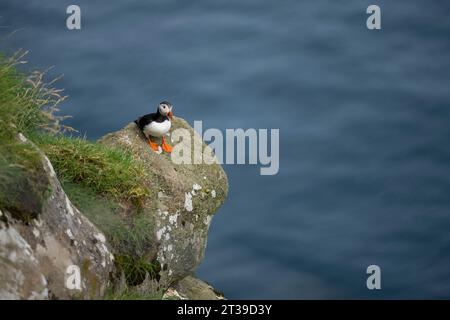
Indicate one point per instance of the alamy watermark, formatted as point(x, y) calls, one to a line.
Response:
point(374, 280)
point(236, 146)
point(73, 277)
point(373, 22)
point(73, 21)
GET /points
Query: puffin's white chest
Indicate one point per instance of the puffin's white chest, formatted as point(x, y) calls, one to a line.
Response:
point(157, 129)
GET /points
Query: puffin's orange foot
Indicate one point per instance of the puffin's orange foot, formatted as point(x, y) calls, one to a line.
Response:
point(153, 145)
point(165, 146)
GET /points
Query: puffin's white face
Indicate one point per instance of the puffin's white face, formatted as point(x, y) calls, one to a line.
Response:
point(165, 110)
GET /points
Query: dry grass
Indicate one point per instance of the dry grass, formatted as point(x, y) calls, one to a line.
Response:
point(32, 102)
point(23, 185)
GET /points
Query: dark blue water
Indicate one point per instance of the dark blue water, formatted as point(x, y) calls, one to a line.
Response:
point(364, 120)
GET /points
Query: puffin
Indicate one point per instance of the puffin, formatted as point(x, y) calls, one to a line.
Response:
point(157, 125)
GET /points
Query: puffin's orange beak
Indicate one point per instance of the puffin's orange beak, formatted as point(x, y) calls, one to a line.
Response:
point(170, 114)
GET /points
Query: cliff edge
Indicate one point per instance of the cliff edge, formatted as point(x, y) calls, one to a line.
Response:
point(148, 248)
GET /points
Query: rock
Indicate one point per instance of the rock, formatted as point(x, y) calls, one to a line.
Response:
point(183, 199)
point(45, 241)
point(191, 288)
point(38, 257)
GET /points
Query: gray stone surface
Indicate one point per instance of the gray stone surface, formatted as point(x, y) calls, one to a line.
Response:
point(192, 288)
point(35, 256)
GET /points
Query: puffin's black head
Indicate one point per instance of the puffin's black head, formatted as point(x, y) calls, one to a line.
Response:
point(165, 108)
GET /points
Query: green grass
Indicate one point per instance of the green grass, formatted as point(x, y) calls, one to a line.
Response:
point(136, 268)
point(104, 170)
point(23, 185)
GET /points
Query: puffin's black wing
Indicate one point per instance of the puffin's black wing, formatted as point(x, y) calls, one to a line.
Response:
point(141, 122)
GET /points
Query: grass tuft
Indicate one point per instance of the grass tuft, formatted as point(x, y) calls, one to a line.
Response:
point(105, 170)
point(23, 185)
point(137, 268)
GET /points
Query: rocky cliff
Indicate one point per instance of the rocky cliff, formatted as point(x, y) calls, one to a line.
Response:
point(37, 251)
point(40, 255)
